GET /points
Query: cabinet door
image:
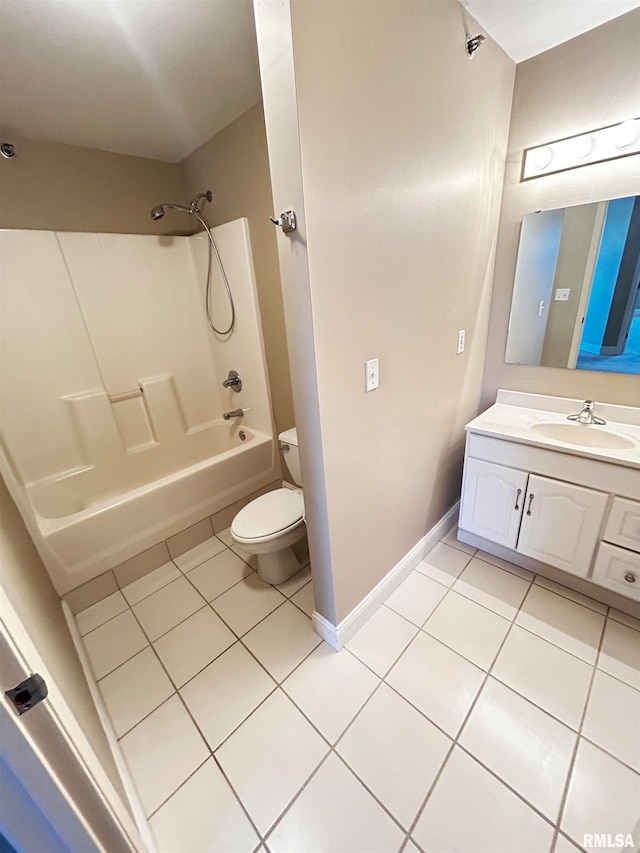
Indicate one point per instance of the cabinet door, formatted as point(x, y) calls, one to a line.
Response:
point(492, 501)
point(561, 524)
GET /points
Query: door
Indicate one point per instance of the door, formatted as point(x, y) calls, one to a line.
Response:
point(492, 500)
point(49, 773)
point(561, 524)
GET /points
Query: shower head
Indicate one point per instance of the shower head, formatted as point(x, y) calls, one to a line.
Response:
point(159, 211)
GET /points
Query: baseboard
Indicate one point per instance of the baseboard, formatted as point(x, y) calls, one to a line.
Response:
point(121, 765)
point(339, 635)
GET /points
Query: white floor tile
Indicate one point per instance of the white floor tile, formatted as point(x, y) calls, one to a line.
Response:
point(203, 815)
point(134, 689)
point(226, 692)
point(613, 718)
point(330, 688)
point(470, 810)
point(492, 587)
point(451, 538)
point(416, 597)
point(620, 653)
point(282, 640)
point(247, 603)
point(163, 610)
point(486, 557)
point(619, 616)
point(525, 747)
point(395, 751)
point(305, 599)
point(295, 583)
point(270, 757)
point(162, 752)
point(571, 594)
point(382, 640)
point(225, 536)
point(113, 643)
point(197, 555)
point(603, 798)
point(335, 813)
point(572, 627)
point(544, 674)
point(218, 574)
point(437, 681)
point(193, 644)
point(444, 563)
point(100, 612)
point(468, 628)
point(150, 583)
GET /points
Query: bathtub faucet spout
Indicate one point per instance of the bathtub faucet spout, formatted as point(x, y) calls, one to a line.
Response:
point(236, 413)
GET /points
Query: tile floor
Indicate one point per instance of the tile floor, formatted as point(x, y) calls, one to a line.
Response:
point(481, 710)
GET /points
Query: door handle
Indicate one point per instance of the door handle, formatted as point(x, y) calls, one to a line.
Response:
point(518, 493)
point(531, 497)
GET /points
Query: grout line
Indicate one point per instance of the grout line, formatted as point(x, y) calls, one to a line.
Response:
point(565, 793)
point(465, 720)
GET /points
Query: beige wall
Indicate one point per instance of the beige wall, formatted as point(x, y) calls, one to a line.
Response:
point(586, 83)
point(58, 187)
point(234, 165)
point(26, 583)
point(403, 143)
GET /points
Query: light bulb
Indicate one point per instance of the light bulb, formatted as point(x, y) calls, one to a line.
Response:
point(627, 133)
point(542, 157)
point(581, 146)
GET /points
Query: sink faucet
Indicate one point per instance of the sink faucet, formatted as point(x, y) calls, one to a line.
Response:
point(236, 413)
point(587, 415)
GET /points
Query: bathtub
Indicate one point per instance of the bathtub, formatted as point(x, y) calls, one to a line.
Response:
point(86, 522)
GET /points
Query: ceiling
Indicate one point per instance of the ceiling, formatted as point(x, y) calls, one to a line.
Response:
point(157, 78)
point(525, 28)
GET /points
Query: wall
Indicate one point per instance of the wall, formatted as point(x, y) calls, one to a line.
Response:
point(403, 143)
point(234, 164)
point(578, 86)
point(58, 187)
point(25, 581)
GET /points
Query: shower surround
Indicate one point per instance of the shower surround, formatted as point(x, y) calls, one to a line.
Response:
point(111, 397)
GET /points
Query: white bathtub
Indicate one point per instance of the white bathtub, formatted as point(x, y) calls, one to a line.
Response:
point(83, 524)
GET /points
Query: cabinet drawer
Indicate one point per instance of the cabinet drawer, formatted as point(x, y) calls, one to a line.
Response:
point(623, 525)
point(617, 569)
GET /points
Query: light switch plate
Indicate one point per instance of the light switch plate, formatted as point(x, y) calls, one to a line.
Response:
point(562, 294)
point(371, 376)
point(460, 347)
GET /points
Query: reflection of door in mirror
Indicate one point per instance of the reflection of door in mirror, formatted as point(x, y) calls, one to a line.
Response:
point(576, 298)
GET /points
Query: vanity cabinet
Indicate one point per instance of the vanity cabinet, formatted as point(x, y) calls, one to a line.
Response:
point(547, 519)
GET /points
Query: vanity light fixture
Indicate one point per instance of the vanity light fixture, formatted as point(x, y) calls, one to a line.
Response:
point(606, 143)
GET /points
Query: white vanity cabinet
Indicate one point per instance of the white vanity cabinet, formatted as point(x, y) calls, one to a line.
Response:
point(549, 520)
point(566, 509)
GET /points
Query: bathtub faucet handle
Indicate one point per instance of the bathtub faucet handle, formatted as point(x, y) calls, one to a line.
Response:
point(233, 380)
point(236, 413)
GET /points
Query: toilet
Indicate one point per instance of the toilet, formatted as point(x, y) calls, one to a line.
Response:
point(270, 525)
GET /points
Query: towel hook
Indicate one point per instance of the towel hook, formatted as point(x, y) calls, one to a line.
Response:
point(287, 221)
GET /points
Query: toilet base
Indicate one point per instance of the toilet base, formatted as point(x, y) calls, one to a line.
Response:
point(278, 566)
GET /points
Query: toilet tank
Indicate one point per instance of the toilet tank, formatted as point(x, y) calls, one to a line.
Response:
point(289, 444)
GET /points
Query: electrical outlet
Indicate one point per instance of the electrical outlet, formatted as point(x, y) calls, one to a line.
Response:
point(460, 341)
point(371, 377)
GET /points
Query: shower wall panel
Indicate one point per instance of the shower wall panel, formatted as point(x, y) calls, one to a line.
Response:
point(109, 372)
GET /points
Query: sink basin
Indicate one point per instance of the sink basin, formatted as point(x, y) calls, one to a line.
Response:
point(583, 435)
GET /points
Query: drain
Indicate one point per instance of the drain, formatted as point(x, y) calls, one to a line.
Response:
point(242, 435)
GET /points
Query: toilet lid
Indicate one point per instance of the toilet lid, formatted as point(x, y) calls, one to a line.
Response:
point(269, 514)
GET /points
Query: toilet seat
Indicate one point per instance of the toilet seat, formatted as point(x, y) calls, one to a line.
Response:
point(268, 516)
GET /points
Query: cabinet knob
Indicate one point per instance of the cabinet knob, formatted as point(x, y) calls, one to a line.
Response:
point(630, 577)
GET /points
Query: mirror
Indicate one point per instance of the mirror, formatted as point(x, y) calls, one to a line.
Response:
point(576, 294)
